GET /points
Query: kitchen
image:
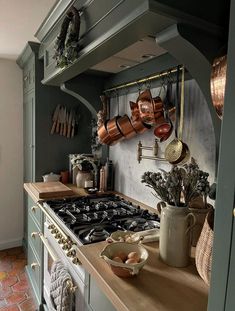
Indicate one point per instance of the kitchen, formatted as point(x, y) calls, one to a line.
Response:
point(97, 69)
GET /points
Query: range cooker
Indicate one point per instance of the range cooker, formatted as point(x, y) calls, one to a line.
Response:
point(92, 219)
point(72, 222)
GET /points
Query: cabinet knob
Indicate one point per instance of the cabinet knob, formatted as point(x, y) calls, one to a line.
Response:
point(34, 265)
point(33, 234)
point(33, 208)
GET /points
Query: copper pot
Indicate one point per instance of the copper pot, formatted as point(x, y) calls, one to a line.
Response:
point(114, 131)
point(218, 82)
point(136, 122)
point(126, 127)
point(150, 109)
point(103, 134)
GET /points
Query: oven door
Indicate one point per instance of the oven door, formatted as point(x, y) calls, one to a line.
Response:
point(78, 289)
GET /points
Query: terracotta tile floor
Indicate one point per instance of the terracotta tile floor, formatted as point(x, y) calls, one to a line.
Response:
point(15, 292)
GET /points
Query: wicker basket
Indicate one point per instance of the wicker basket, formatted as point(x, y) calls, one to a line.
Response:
point(203, 255)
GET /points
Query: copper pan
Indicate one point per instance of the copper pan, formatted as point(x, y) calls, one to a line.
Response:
point(114, 131)
point(218, 81)
point(136, 122)
point(103, 134)
point(126, 127)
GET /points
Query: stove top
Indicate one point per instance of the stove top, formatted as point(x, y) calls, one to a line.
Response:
point(94, 218)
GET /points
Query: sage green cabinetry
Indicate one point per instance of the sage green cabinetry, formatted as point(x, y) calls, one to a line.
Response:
point(34, 266)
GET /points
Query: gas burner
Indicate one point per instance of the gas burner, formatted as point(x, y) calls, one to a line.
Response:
point(96, 234)
point(140, 224)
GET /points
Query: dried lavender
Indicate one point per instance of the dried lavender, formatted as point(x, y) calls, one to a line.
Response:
point(180, 185)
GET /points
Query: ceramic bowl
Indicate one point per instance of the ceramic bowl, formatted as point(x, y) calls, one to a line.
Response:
point(123, 269)
point(123, 236)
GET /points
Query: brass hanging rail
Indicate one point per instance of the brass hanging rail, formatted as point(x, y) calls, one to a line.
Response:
point(143, 80)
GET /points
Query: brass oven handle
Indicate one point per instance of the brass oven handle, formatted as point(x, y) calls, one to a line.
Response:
point(53, 221)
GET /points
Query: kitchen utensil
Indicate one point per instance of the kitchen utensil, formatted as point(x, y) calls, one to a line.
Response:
point(50, 189)
point(59, 120)
point(73, 125)
point(70, 123)
point(218, 82)
point(123, 269)
point(146, 107)
point(136, 121)
point(55, 118)
point(125, 127)
point(63, 121)
point(134, 237)
point(114, 130)
point(103, 134)
point(177, 151)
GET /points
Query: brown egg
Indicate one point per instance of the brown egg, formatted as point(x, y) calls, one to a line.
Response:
point(134, 255)
point(118, 259)
point(131, 261)
point(121, 255)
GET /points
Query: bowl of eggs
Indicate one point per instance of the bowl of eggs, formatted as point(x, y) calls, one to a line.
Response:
point(125, 259)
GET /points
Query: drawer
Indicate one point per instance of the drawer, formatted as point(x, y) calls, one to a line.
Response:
point(35, 211)
point(33, 237)
point(34, 272)
point(29, 75)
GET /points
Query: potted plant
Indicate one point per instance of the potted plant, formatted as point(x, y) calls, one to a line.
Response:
point(86, 168)
point(177, 188)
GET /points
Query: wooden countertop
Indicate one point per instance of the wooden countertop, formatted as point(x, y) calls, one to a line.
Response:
point(158, 287)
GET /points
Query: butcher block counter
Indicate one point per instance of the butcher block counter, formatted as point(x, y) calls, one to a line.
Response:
point(158, 287)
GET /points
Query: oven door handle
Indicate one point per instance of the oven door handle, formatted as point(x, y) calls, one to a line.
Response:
point(70, 285)
point(53, 222)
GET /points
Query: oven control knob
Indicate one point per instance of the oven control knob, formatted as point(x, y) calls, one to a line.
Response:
point(58, 236)
point(54, 231)
point(71, 253)
point(65, 246)
point(76, 261)
point(60, 241)
point(51, 227)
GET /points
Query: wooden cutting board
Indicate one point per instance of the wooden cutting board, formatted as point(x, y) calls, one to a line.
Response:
point(53, 189)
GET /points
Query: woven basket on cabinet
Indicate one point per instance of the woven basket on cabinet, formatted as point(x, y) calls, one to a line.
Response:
point(203, 255)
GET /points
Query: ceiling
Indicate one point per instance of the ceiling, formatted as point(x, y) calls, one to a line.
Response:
point(19, 20)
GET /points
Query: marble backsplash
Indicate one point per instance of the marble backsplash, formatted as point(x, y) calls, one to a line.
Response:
point(198, 133)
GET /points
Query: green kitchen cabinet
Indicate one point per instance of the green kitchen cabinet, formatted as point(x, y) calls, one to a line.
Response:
point(34, 268)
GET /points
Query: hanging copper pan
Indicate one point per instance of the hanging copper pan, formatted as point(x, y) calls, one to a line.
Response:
point(136, 122)
point(218, 82)
point(126, 127)
point(114, 131)
point(103, 134)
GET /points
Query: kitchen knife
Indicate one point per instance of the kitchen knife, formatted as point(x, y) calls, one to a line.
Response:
point(66, 123)
point(70, 123)
point(73, 125)
point(59, 120)
point(55, 118)
point(63, 121)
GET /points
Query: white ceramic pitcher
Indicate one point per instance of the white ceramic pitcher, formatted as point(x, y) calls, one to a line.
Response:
point(175, 226)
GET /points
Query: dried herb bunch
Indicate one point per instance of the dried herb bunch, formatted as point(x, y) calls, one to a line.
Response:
point(180, 185)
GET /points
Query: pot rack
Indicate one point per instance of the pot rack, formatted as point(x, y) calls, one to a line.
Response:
point(144, 80)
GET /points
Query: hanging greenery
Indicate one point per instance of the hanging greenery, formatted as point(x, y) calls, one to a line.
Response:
point(67, 43)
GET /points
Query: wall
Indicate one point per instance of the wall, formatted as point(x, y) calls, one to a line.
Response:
point(11, 154)
point(198, 134)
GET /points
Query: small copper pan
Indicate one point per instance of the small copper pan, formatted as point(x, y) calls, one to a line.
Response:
point(114, 131)
point(126, 127)
point(103, 134)
point(136, 122)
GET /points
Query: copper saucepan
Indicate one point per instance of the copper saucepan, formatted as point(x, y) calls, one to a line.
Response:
point(103, 134)
point(218, 82)
point(136, 122)
point(114, 130)
point(126, 127)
